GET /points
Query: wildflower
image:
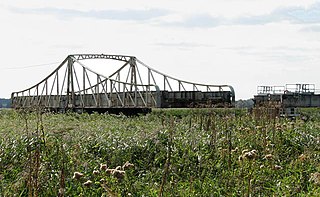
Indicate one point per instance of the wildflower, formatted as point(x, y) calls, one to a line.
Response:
point(109, 171)
point(95, 172)
point(119, 174)
point(118, 168)
point(315, 177)
point(87, 183)
point(302, 157)
point(244, 151)
point(235, 150)
point(254, 152)
point(277, 167)
point(268, 156)
point(250, 154)
point(61, 191)
point(127, 165)
point(77, 175)
point(103, 166)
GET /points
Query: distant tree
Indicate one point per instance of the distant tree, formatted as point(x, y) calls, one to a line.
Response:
point(244, 103)
point(5, 103)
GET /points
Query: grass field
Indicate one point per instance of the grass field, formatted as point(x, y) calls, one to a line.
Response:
point(165, 153)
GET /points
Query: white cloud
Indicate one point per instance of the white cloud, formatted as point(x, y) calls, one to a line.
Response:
point(131, 15)
point(249, 13)
point(294, 14)
point(311, 28)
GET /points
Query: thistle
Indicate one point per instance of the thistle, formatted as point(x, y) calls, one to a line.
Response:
point(77, 175)
point(87, 183)
point(103, 167)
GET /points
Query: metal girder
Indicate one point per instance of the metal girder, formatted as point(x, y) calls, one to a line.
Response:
point(102, 56)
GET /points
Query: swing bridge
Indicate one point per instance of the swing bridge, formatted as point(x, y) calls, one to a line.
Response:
point(133, 87)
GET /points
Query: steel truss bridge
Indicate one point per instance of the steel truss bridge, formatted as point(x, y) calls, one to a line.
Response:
point(133, 87)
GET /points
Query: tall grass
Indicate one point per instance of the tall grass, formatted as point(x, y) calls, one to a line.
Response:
point(166, 153)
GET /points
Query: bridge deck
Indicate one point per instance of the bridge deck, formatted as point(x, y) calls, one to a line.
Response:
point(110, 102)
point(289, 100)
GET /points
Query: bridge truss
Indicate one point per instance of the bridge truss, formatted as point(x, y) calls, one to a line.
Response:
point(134, 85)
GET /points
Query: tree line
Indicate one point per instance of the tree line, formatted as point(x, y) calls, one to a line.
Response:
point(5, 103)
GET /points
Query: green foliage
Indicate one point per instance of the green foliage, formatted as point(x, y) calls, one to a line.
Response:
point(5, 103)
point(222, 152)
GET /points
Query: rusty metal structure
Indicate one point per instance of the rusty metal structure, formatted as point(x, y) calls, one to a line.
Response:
point(133, 87)
point(288, 98)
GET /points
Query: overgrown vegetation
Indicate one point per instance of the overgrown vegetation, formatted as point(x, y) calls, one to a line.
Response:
point(166, 153)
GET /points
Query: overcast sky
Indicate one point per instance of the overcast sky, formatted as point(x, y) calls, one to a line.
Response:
point(244, 43)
